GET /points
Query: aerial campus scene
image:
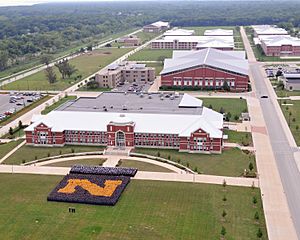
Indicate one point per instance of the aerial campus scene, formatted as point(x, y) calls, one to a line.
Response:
point(150, 119)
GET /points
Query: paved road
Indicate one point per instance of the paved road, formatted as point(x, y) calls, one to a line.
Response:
point(275, 145)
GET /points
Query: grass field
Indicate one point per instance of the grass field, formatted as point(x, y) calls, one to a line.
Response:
point(242, 138)
point(231, 162)
point(24, 110)
point(294, 119)
point(151, 55)
point(145, 37)
point(146, 210)
point(142, 166)
point(57, 104)
point(94, 161)
point(233, 105)
point(7, 147)
point(86, 64)
point(30, 153)
point(285, 93)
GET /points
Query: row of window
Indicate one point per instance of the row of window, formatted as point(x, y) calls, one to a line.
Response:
point(202, 82)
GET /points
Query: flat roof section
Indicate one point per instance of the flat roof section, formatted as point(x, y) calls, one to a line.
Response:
point(120, 102)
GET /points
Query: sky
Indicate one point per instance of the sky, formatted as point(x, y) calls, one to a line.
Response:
point(31, 2)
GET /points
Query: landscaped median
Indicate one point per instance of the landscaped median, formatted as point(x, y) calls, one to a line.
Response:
point(58, 103)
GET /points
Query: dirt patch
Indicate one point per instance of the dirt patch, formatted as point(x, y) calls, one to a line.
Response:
point(100, 53)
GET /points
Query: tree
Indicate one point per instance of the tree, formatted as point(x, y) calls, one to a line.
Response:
point(256, 216)
point(254, 200)
point(161, 59)
point(210, 106)
point(224, 199)
point(92, 85)
point(222, 110)
point(297, 127)
point(46, 59)
point(224, 214)
point(50, 75)
point(236, 117)
point(65, 68)
point(223, 231)
point(224, 183)
point(226, 87)
point(259, 233)
point(11, 131)
point(251, 166)
point(3, 60)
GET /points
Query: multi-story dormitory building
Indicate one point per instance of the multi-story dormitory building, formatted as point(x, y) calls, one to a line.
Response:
point(174, 121)
point(131, 72)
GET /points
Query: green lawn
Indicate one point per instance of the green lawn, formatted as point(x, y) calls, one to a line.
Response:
point(146, 37)
point(25, 110)
point(231, 162)
point(146, 210)
point(285, 93)
point(17, 132)
point(93, 161)
point(7, 147)
point(151, 55)
point(242, 138)
point(30, 153)
point(86, 64)
point(142, 166)
point(233, 105)
point(294, 119)
point(58, 103)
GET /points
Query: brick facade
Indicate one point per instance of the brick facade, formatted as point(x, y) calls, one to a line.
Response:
point(205, 77)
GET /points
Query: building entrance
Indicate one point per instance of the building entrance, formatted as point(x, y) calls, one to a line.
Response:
point(120, 139)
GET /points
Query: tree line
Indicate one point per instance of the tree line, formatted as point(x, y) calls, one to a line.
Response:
point(31, 32)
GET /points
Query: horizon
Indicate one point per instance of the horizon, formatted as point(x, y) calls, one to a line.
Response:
point(11, 3)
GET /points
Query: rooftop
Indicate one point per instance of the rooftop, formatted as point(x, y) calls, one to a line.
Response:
point(278, 40)
point(228, 60)
point(183, 125)
point(227, 39)
point(218, 32)
point(159, 24)
point(179, 32)
point(269, 30)
point(182, 104)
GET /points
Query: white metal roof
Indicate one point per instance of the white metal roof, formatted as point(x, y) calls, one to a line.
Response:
point(160, 24)
point(189, 101)
point(179, 32)
point(183, 125)
point(277, 40)
point(197, 39)
point(215, 43)
point(269, 30)
point(218, 32)
point(233, 61)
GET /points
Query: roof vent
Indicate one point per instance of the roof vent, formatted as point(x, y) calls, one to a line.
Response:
point(150, 97)
point(124, 107)
point(162, 98)
point(141, 95)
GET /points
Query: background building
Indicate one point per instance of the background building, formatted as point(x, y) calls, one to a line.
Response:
point(179, 32)
point(174, 121)
point(291, 81)
point(130, 72)
point(156, 27)
point(260, 30)
point(130, 41)
point(206, 69)
point(193, 42)
point(277, 45)
point(218, 32)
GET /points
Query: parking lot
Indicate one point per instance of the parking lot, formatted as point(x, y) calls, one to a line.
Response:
point(13, 102)
point(134, 87)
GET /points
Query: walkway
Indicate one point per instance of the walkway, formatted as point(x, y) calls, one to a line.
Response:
point(141, 175)
point(111, 161)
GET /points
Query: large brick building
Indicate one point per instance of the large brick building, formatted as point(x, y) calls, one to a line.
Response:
point(173, 121)
point(194, 42)
point(280, 45)
point(206, 69)
point(265, 30)
point(131, 72)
